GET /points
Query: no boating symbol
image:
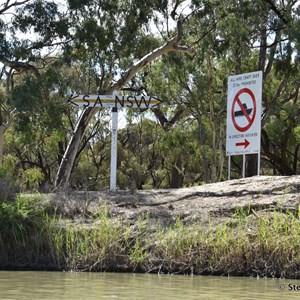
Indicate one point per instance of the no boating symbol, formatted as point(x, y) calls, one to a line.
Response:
point(243, 110)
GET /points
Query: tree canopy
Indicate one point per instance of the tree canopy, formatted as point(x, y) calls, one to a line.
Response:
point(180, 51)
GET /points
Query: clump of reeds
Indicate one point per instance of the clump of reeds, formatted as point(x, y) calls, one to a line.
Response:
point(249, 243)
point(24, 236)
point(263, 244)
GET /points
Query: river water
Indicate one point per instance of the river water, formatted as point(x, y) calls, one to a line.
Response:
point(73, 286)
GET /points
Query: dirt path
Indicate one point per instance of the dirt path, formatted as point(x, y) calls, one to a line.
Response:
point(210, 202)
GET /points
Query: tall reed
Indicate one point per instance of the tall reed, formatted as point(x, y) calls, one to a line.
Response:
point(34, 235)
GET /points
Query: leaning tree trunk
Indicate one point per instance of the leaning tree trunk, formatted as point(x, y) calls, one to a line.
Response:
point(67, 163)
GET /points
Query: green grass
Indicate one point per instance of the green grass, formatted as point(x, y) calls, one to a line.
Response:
point(34, 235)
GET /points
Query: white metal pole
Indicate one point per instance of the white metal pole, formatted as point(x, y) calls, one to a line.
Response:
point(114, 150)
point(244, 164)
point(229, 166)
point(258, 164)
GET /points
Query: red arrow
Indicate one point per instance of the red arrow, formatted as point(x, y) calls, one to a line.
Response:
point(245, 144)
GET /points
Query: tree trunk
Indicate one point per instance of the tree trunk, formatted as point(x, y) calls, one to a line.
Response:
point(68, 160)
point(251, 165)
point(2, 130)
point(212, 120)
point(176, 176)
point(203, 152)
point(221, 160)
point(3, 127)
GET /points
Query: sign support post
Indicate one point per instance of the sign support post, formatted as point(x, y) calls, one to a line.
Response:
point(114, 146)
point(244, 165)
point(229, 166)
point(258, 164)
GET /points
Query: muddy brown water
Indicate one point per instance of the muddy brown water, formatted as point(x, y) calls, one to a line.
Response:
point(66, 285)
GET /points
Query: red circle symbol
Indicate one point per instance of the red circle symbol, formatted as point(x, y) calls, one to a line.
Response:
point(244, 111)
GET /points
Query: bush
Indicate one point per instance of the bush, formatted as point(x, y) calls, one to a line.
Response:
point(8, 189)
point(32, 178)
point(24, 235)
point(8, 183)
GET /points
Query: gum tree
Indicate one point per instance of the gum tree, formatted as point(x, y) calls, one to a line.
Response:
point(118, 32)
point(29, 31)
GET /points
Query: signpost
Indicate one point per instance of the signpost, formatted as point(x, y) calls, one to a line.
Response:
point(244, 116)
point(114, 102)
point(114, 150)
point(128, 101)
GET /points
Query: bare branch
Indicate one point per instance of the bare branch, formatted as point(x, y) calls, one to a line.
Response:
point(20, 66)
point(7, 6)
point(174, 13)
point(164, 122)
point(160, 116)
point(277, 12)
point(185, 50)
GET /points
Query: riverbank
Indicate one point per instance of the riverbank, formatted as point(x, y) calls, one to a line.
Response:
point(246, 227)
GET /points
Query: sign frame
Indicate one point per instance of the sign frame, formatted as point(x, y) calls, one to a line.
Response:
point(244, 101)
point(243, 131)
point(115, 101)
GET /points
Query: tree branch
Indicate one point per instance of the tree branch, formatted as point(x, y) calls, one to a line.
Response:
point(185, 50)
point(9, 119)
point(173, 12)
point(170, 46)
point(277, 12)
point(20, 66)
point(164, 122)
point(7, 6)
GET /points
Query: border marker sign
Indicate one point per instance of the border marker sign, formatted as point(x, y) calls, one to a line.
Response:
point(128, 101)
point(114, 102)
point(244, 114)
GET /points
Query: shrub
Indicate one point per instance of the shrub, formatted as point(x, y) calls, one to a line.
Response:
point(32, 178)
point(8, 183)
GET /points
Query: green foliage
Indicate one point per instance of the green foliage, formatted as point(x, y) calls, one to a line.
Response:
point(28, 95)
point(89, 44)
point(8, 167)
point(44, 19)
point(32, 178)
point(23, 228)
point(23, 214)
point(8, 182)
